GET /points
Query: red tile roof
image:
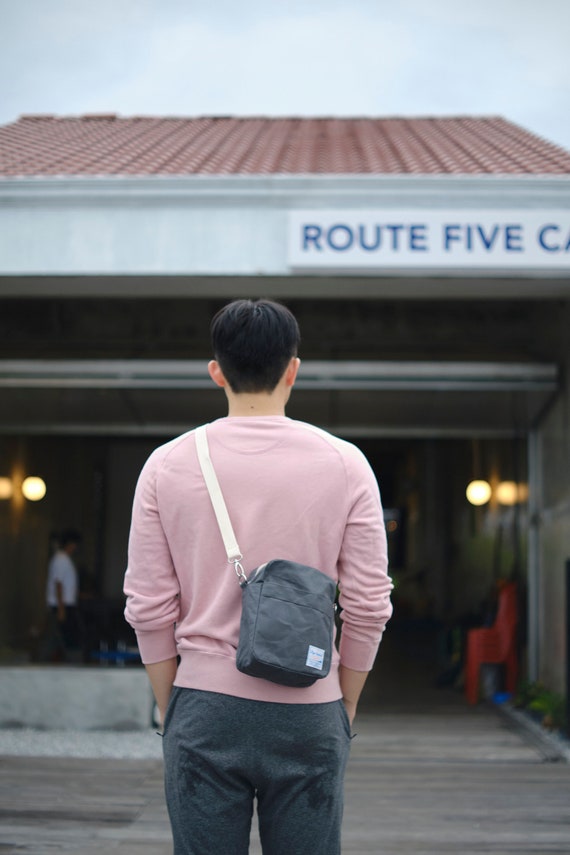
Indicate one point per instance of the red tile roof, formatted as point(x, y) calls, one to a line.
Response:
point(109, 145)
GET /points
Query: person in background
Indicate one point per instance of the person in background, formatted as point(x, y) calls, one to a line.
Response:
point(62, 593)
point(292, 492)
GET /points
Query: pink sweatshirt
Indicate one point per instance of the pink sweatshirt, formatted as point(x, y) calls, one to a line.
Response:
point(290, 494)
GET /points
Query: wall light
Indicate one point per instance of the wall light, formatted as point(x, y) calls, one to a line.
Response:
point(511, 493)
point(6, 488)
point(34, 488)
point(478, 492)
point(507, 493)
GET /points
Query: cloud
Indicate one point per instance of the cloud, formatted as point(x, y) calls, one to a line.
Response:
point(273, 71)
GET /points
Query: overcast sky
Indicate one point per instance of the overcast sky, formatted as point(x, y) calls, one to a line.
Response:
point(258, 57)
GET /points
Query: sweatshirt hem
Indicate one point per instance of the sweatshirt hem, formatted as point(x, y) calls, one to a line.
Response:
point(214, 672)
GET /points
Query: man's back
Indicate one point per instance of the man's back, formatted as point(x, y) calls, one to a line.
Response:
point(291, 493)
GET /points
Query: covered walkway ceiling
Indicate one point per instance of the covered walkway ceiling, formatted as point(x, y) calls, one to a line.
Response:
point(159, 397)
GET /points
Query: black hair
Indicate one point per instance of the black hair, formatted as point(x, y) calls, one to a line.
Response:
point(67, 536)
point(253, 342)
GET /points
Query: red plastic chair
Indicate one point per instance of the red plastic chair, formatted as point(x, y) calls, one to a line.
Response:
point(496, 644)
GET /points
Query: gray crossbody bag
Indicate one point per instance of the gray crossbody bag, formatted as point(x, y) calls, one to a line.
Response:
point(287, 620)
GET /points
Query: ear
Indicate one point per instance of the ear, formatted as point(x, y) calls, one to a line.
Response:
point(216, 373)
point(291, 372)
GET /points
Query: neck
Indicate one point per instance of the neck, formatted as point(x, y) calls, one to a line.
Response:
point(258, 404)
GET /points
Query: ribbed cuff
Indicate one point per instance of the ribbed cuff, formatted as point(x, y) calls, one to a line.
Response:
point(156, 645)
point(357, 655)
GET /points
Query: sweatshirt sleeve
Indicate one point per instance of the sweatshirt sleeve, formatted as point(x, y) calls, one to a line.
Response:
point(151, 585)
point(364, 583)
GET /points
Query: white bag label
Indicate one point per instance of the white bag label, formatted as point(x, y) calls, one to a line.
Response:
point(315, 658)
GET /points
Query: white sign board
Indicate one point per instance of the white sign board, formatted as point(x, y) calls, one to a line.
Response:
point(429, 240)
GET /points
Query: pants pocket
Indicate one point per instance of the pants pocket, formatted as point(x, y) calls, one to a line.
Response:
point(170, 708)
point(345, 719)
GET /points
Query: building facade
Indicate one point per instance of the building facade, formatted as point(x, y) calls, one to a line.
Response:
point(428, 262)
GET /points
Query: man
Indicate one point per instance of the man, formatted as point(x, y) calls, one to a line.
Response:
point(62, 591)
point(291, 493)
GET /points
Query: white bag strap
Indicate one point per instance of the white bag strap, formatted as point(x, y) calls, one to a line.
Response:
point(218, 502)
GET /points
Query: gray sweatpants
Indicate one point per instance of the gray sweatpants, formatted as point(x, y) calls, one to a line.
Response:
point(221, 752)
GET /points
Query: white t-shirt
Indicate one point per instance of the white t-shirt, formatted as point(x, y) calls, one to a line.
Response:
point(62, 569)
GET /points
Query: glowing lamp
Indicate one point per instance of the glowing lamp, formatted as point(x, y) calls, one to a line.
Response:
point(6, 488)
point(511, 493)
point(478, 492)
point(34, 488)
point(507, 493)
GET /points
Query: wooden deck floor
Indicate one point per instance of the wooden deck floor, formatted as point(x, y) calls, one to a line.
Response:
point(439, 782)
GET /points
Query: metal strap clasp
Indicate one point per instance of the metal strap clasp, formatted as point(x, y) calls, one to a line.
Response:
point(240, 572)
